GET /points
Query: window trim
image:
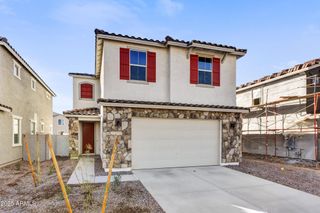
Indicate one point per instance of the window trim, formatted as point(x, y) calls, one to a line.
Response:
point(19, 69)
point(42, 127)
point(35, 127)
point(204, 70)
point(138, 65)
point(15, 117)
point(93, 91)
point(33, 82)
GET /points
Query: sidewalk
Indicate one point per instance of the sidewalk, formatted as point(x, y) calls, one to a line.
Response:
point(84, 173)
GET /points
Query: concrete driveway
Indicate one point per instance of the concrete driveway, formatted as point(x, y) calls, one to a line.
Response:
point(218, 189)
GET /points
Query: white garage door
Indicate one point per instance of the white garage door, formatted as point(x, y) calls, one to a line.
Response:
point(158, 143)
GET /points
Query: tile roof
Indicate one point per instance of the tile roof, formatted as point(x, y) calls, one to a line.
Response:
point(169, 38)
point(7, 107)
point(85, 111)
point(169, 104)
point(5, 40)
point(82, 74)
point(295, 68)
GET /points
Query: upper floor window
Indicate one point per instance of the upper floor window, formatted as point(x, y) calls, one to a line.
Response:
point(17, 135)
point(205, 70)
point(33, 84)
point(86, 91)
point(16, 70)
point(138, 65)
point(60, 122)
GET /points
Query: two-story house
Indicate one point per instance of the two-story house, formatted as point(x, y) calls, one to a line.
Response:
point(25, 103)
point(60, 124)
point(171, 103)
point(283, 119)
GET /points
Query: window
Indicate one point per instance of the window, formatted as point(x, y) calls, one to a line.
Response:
point(205, 70)
point(16, 70)
point(256, 101)
point(33, 127)
point(138, 65)
point(42, 127)
point(16, 131)
point(86, 91)
point(33, 84)
point(60, 122)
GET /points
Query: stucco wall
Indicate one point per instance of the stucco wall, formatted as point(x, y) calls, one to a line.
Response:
point(114, 88)
point(26, 103)
point(181, 91)
point(172, 77)
point(79, 103)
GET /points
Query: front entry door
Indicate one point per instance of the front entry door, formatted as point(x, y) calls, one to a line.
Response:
point(87, 138)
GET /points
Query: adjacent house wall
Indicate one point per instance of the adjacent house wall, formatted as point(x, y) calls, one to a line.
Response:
point(62, 129)
point(25, 102)
point(289, 115)
point(79, 103)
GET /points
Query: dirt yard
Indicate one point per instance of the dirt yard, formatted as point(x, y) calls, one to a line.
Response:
point(18, 194)
point(301, 175)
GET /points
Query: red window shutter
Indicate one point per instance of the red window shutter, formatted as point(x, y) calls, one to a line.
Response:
point(86, 91)
point(124, 63)
point(216, 72)
point(193, 69)
point(151, 69)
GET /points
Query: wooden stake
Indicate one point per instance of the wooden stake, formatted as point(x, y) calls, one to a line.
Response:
point(25, 141)
point(105, 197)
point(38, 159)
point(56, 166)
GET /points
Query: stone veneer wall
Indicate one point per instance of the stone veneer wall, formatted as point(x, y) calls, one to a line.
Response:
point(73, 137)
point(117, 122)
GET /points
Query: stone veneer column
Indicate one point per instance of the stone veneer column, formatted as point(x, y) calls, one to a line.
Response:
point(73, 138)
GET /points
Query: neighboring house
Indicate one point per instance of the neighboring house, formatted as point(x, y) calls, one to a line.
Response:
point(281, 119)
point(60, 124)
point(25, 103)
point(171, 103)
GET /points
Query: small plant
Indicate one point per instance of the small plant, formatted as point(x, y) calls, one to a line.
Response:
point(18, 166)
point(87, 191)
point(116, 182)
point(68, 190)
point(51, 170)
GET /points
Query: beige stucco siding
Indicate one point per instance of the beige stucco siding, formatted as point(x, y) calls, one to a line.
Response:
point(114, 88)
point(79, 103)
point(25, 102)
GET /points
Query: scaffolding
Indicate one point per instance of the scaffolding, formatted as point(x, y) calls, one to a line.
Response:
point(271, 129)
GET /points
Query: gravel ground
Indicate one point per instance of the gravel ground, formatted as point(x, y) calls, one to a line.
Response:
point(301, 175)
point(17, 193)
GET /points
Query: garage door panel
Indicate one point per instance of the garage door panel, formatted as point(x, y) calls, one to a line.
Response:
point(158, 143)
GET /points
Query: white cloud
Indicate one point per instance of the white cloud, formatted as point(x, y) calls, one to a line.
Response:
point(170, 7)
point(94, 13)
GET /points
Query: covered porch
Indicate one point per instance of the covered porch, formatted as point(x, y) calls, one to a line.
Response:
point(84, 132)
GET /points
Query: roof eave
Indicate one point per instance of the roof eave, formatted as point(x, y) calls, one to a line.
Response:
point(155, 106)
point(277, 78)
point(22, 61)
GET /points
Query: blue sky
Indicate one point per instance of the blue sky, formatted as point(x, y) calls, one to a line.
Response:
point(57, 36)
